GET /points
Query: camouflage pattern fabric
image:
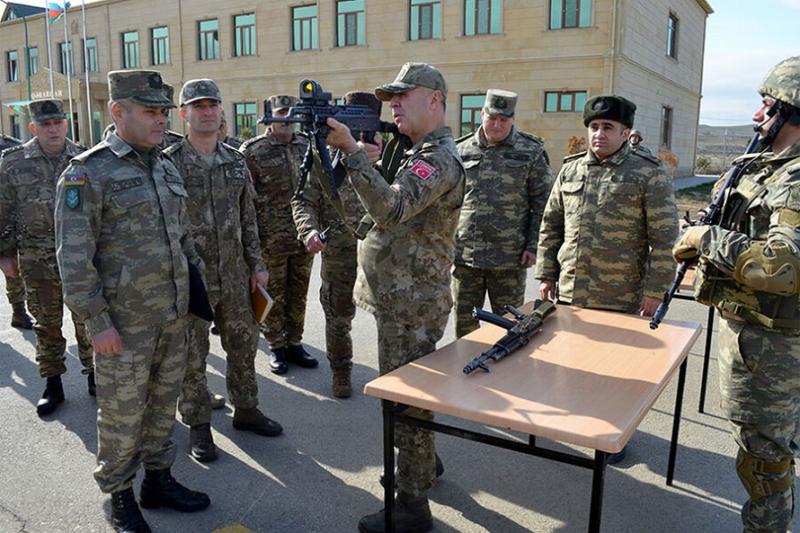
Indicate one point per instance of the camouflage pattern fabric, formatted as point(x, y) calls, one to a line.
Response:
point(289, 276)
point(233, 142)
point(506, 190)
point(8, 142)
point(15, 290)
point(758, 366)
point(46, 304)
point(607, 231)
point(404, 270)
point(123, 247)
point(505, 286)
point(782, 81)
point(274, 166)
point(223, 226)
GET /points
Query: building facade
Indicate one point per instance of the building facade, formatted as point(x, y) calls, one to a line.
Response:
point(554, 53)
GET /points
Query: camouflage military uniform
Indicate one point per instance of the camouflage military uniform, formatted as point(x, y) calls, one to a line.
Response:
point(234, 142)
point(506, 189)
point(223, 226)
point(607, 231)
point(123, 249)
point(409, 293)
point(274, 167)
point(27, 193)
point(15, 287)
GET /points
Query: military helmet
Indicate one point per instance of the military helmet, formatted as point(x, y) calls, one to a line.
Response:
point(782, 82)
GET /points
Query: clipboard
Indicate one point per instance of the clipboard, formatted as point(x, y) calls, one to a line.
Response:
point(262, 303)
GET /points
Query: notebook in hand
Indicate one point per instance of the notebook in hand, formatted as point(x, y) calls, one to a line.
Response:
point(262, 303)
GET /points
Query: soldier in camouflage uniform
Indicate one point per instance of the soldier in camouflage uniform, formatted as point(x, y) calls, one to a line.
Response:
point(274, 160)
point(636, 139)
point(15, 287)
point(28, 175)
point(223, 225)
point(508, 180)
point(749, 269)
point(405, 259)
point(124, 251)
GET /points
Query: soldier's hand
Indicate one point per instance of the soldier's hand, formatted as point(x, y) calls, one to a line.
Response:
point(648, 306)
point(259, 278)
point(314, 244)
point(528, 259)
point(9, 266)
point(547, 290)
point(688, 243)
point(373, 151)
point(340, 137)
point(107, 342)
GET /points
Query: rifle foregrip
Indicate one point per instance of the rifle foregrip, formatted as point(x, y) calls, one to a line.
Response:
point(492, 318)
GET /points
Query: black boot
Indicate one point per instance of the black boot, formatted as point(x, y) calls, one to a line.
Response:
point(439, 470)
point(53, 395)
point(299, 356)
point(203, 448)
point(160, 489)
point(277, 361)
point(21, 319)
point(125, 514)
point(411, 515)
point(90, 385)
point(255, 421)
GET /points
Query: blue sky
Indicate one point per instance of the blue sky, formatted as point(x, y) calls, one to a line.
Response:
point(744, 38)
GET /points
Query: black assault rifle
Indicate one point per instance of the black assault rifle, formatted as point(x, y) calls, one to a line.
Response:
point(519, 333)
point(312, 112)
point(712, 216)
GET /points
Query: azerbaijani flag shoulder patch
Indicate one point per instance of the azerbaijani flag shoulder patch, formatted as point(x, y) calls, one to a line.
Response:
point(74, 180)
point(423, 170)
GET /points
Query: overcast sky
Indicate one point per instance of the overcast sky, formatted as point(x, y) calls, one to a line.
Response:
point(744, 38)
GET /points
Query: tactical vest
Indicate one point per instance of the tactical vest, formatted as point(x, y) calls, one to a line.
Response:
point(714, 287)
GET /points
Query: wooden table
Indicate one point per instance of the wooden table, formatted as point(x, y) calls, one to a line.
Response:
point(587, 379)
point(687, 287)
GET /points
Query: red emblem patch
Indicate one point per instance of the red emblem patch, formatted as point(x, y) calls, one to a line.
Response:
point(422, 170)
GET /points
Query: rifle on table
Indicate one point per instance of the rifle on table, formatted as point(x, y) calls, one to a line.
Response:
point(312, 112)
point(713, 214)
point(519, 333)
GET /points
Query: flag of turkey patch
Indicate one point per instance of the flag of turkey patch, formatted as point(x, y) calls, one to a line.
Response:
point(422, 170)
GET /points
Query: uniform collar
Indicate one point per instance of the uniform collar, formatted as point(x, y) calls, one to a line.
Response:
point(510, 139)
point(221, 155)
point(119, 147)
point(33, 150)
point(275, 142)
point(431, 138)
point(616, 159)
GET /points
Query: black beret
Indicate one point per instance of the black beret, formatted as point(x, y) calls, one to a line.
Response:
point(611, 108)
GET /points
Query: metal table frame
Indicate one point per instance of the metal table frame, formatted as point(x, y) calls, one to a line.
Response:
point(393, 412)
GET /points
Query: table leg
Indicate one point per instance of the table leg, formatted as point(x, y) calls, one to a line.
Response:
point(676, 422)
point(706, 359)
point(532, 441)
point(598, 480)
point(388, 463)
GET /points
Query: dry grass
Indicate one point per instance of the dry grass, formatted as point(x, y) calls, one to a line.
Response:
point(693, 198)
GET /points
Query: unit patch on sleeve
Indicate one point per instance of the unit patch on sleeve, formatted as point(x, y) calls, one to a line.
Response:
point(423, 170)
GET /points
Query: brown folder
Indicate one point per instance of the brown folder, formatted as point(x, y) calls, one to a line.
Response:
point(262, 303)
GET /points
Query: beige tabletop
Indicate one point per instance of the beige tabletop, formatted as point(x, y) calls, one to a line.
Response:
point(587, 379)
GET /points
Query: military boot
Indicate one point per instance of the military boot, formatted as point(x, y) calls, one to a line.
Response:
point(341, 384)
point(20, 318)
point(160, 489)
point(298, 355)
point(411, 515)
point(53, 395)
point(90, 384)
point(439, 471)
point(217, 401)
point(255, 421)
point(203, 448)
point(126, 517)
point(277, 361)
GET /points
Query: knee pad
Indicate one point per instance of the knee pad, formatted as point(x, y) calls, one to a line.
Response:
point(751, 471)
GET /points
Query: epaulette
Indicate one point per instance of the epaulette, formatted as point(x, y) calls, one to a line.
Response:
point(465, 137)
point(171, 149)
point(531, 136)
point(234, 151)
point(250, 141)
point(83, 156)
point(573, 157)
point(174, 134)
point(16, 148)
point(653, 159)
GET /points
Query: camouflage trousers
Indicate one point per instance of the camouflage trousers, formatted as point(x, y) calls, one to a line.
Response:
point(15, 290)
point(338, 273)
point(760, 390)
point(136, 394)
point(399, 344)
point(289, 276)
point(46, 304)
point(238, 332)
point(506, 286)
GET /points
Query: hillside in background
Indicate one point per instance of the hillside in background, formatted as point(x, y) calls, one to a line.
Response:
point(717, 146)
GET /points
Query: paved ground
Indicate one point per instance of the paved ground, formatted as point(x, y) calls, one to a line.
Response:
point(322, 474)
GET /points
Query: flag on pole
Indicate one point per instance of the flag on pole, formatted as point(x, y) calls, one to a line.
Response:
point(18, 106)
point(55, 10)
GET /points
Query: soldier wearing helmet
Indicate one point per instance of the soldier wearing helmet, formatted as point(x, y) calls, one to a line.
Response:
point(749, 269)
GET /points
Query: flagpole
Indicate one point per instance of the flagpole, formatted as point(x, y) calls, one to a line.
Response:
point(90, 141)
point(49, 49)
point(68, 45)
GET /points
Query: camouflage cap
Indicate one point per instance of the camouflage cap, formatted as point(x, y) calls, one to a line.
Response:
point(362, 98)
point(144, 87)
point(46, 109)
point(169, 91)
point(609, 107)
point(281, 101)
point(782, 82)
point(500, 102)
point(411, 76)
point(194, 90)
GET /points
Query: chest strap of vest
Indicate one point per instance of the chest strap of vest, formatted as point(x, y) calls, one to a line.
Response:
point(754, 317)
